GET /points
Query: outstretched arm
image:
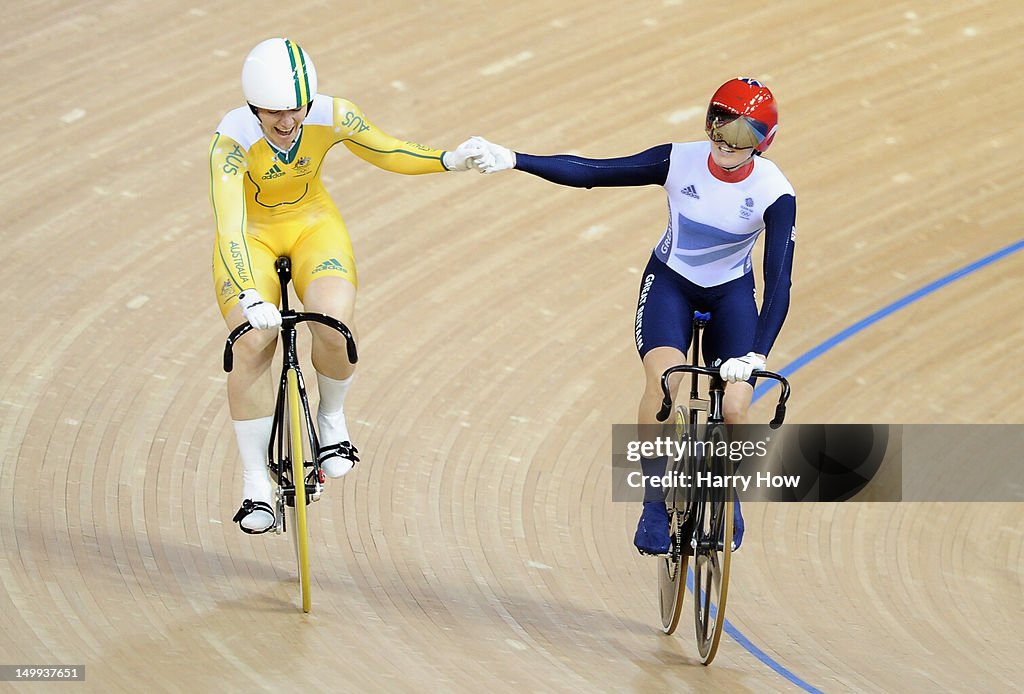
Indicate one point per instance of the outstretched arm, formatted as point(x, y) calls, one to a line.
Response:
point(649, 167)
point(370, 143)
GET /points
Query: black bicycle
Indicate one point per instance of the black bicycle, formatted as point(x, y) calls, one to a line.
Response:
point(701, 515)
point(294, 450)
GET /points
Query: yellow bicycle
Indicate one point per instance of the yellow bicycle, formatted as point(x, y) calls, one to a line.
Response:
point(293, 454)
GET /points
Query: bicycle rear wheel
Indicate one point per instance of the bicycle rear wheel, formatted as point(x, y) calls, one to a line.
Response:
point(712, 554)
point(300, 528)
point(673, 568)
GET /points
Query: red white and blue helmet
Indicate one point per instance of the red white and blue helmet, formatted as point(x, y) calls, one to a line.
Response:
point(742, 114)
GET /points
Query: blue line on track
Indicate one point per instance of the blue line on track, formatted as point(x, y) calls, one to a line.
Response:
point(812, 354)
point(749, 646)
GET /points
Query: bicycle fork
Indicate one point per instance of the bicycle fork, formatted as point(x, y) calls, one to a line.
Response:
point(292, 403)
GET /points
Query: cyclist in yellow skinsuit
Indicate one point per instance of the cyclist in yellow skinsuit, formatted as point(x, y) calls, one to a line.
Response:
point(268, 201)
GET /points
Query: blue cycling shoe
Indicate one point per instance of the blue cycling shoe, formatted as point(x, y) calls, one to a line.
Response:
point(652, 530)
point(737, 526)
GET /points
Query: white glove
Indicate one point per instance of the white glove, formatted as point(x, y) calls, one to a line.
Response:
point(258, 312)
point(493, 158)
point(740, 368)
point(463, 158)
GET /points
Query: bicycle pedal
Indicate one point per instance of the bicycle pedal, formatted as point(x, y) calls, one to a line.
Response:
point(654, 554)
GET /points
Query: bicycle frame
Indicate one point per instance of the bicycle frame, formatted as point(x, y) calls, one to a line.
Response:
point(290, 363)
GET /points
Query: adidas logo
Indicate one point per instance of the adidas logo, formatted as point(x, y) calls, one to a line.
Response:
point(331, 264)
point(690, 190)
point(274, 172)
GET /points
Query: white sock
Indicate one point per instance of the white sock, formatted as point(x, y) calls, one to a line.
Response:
point(330, 416)
point(253, 437)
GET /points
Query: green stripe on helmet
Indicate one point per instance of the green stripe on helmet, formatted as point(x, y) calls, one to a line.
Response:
point(301, 79)
point(307, 97)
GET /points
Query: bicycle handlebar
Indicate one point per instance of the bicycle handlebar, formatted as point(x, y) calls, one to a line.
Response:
point(289, 319)
point(666, 403)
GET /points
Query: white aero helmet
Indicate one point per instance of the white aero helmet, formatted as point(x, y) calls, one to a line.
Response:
point(278, 75)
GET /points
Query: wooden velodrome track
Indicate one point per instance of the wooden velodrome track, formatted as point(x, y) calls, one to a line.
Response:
point(477, 548)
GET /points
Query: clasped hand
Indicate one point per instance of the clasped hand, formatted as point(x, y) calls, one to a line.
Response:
point(477, 153)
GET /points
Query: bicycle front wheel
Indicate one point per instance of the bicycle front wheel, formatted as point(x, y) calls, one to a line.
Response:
point(712, 552)
point(300, 528)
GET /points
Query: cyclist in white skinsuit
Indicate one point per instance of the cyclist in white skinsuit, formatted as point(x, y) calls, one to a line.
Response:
point(722, 197)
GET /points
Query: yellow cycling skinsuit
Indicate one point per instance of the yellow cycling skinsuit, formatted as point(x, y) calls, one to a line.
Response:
point(269, 203)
